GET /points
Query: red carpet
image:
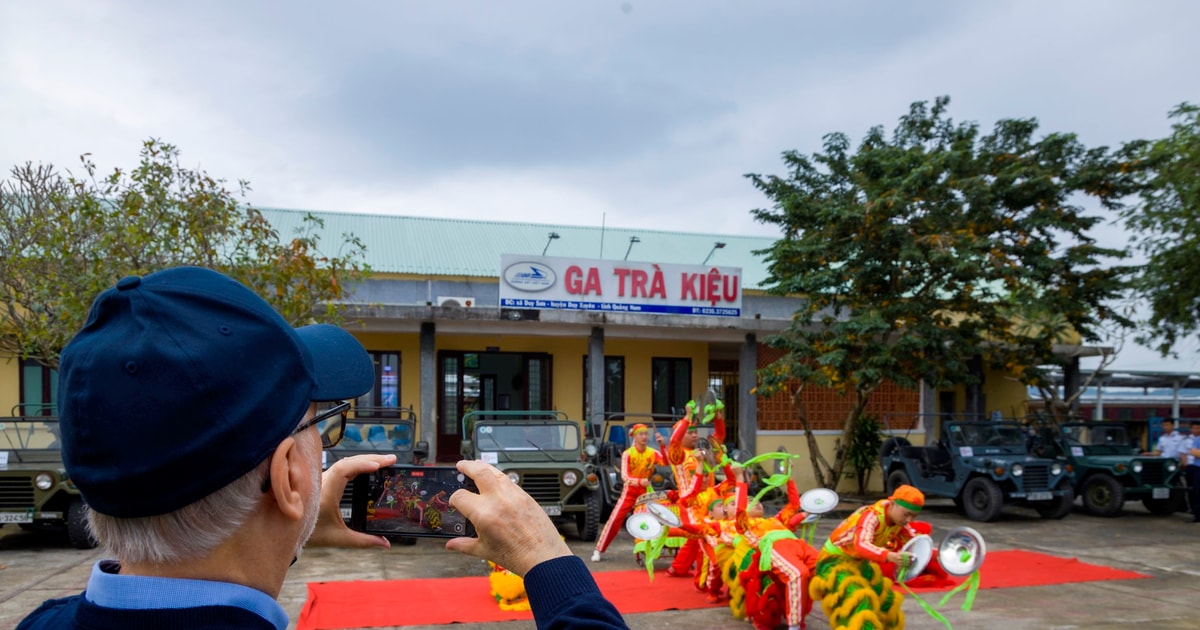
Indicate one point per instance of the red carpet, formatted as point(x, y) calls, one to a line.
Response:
point(364, 604)
point(1009, 569)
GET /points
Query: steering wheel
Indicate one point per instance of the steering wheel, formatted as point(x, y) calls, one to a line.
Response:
point(995, 441)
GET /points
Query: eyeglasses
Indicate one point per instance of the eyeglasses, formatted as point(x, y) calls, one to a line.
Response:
point(332, 433)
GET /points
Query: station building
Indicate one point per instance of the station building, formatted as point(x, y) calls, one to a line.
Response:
point(463, 315)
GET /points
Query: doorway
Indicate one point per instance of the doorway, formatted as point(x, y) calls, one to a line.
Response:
point(482, 381)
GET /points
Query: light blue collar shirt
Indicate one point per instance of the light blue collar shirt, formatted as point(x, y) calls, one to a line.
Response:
point(109, 589)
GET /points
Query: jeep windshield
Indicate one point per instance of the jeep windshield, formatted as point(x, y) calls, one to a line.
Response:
point(1096, 439)
point(29, 440)
point(528, 436)
point(988, 434)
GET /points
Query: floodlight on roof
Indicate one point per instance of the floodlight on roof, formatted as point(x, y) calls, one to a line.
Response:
point(716, 246)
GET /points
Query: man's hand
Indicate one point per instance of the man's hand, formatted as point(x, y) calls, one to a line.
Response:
point(514, 531)
point(331, 530)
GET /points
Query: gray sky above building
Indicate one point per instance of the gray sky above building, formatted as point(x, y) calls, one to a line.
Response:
point(631, 113)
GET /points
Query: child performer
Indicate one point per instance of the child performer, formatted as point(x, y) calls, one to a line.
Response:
point(637, 465)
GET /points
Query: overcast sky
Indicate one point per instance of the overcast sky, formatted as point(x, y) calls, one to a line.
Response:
point(635, 114)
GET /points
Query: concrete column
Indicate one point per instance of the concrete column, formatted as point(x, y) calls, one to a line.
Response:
point(747, 436)
point(927, 410)
point(1071, 384)
point(429, 389)
point(595, 382)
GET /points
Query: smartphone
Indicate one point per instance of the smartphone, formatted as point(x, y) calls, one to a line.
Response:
point(410, 501)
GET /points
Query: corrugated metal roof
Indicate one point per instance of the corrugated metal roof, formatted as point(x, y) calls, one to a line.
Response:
point(427, 245)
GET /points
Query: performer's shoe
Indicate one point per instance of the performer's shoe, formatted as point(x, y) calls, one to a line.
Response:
point(673, 573)
point(1195, 519)
point(596, 555)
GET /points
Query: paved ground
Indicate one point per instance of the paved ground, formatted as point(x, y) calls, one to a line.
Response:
point(34, 567)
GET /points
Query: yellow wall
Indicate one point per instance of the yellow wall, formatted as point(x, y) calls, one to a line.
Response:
point(567, 360)
point(1001, 391)
point(802, 471)
point(10, 384)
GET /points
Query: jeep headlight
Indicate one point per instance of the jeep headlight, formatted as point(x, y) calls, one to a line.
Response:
point(514, 477)
point(1018, 470)
point(590, 450)
point(570, 478)
point(1137, 467)
point(1056, 469)
point(43, 481)
point(1171, 465)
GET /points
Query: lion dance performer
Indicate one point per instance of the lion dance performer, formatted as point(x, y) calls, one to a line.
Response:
point(691, 479)
point(637, 465)
point(849, 580)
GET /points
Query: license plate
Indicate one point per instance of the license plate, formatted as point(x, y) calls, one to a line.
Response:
point(16, 517)
point(1040, 496)
point(1161, 493)
point(552, 510)
point(346, 513)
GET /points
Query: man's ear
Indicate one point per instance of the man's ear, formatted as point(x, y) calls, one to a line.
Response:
point(287, 472)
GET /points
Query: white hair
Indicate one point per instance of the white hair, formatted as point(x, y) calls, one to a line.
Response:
point(190, 532)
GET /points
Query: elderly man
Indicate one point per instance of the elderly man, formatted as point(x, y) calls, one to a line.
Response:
point(190, 413)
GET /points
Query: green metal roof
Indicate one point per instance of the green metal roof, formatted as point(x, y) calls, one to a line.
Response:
point(433, 246)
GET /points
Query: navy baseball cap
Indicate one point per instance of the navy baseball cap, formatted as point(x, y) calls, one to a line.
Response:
point(184, 380)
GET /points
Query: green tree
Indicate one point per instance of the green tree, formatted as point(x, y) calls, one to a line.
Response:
point(64, 239)
point(923, 253)
point(1166, 224)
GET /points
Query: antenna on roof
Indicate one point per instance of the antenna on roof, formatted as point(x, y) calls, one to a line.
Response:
point(603, 215)
point(553, 235)
point(716, 246)
point(632, 240)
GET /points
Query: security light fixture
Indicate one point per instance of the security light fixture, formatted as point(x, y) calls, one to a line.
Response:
point(717, 245)
point(553, 235)
point(632, 240)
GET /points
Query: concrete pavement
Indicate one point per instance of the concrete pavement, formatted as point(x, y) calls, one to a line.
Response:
point(35, 567)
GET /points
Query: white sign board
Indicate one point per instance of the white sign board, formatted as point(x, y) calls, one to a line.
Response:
point(616, 286)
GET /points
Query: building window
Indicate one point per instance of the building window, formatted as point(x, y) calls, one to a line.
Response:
point(614, 386)
point(671, 382)
point(39, 390)
point(384, 397)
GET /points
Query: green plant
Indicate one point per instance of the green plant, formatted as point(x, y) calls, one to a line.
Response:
point(863, 451)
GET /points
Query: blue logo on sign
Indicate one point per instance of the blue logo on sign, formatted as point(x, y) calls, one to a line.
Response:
point(529, 276)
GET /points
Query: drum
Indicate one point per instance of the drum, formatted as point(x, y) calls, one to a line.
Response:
point(651, 497)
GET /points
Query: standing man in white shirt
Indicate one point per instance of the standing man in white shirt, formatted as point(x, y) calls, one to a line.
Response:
point(1171, 442)
point(1191, 453)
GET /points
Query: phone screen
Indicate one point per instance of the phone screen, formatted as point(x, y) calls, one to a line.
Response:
point(410, 501)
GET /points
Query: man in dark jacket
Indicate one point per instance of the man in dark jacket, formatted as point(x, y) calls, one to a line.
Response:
point(193, 418)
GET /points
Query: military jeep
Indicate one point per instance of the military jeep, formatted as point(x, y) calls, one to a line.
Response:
point(376, 430)
point(544, 453)
point(982, 466)
point(35, 492)
point(1109, 469)
point(614, 440)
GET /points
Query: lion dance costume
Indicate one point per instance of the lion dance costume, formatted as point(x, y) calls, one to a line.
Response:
point(849, 581)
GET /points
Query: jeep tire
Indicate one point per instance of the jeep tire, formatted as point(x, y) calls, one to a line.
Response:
point(587, 522)
point(1176, 502)
point(891, 445)
point(1059, 506)
point(982, 499)
point(895, 479)
point(77, 529)
point(1103, 495)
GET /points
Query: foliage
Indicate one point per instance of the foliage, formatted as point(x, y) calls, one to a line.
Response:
point(65, 239)
point(863, 451)
point(920, 252)
point(1167, 225)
